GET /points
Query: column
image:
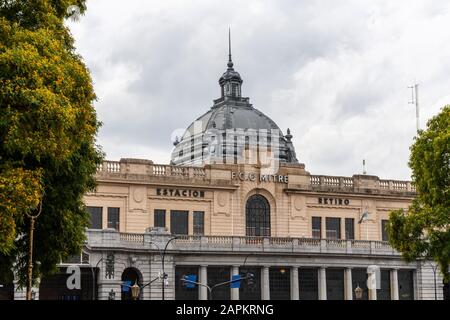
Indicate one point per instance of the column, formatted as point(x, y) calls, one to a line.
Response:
point(265, 284)
point(234, 291)
point(394, 285)
point(348, 285)
point(322, 284)
point(373, 294)
point(203, 278)
point(294, 284)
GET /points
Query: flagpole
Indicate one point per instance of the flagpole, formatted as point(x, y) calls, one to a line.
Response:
point(367, 232)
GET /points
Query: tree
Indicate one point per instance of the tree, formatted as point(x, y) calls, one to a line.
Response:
point(424, 231)
point(47, 131)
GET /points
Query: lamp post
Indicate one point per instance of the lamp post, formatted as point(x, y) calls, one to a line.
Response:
point(33, 218)
point(163, 255)
point(434, 268)
point(164, 277)
point(136, 289)
point(94, 278)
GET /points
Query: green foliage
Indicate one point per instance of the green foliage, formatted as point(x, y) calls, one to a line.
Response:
point(424, 231)
point(47, 132)
point(20, 192)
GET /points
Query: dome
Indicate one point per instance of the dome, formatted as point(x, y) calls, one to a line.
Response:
point(232, 117)
point(233, 131)
point(230, 74)
point(222, 135)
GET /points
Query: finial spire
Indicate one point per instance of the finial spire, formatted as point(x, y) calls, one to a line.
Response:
point(230, 63)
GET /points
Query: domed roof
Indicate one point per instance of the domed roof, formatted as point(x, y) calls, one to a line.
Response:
point(225, 131)
point(232, 117)
point(231, 129)
point(230, 74)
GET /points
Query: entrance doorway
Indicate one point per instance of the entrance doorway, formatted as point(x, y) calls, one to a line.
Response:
point(130, 276)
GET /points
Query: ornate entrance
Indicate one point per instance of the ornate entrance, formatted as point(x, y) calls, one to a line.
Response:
point(130, 276)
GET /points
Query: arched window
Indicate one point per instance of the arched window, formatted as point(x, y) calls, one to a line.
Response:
point(257, 216)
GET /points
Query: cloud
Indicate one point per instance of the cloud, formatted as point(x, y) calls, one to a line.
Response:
point(335, 73)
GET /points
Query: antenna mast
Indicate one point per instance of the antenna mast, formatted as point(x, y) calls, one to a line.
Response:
point(415, 100)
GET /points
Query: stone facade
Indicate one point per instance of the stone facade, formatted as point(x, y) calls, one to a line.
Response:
point(294, 197)
point(139, 187)
point(290, 261)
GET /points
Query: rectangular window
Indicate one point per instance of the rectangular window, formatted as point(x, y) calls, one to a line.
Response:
point(113, 218)
point(199, 222)
point(279, 283)
point(96, 217)
point(179, 222)
point(333, 226)
point(405, 285)
point(384, 234)
point(250, 290)
point(234, 90)
point(183, 291)
point(317, 227)
point(385, 292)
point(219, 274)
point(308, 280)
point(335, 284)
point(349, 228)
point(160, 218)
point(359, 279)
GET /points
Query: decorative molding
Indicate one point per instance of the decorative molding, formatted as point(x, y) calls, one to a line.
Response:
point(333, 207)
point(299, 203)
point(139, 194)
point(180, 199)
point(103, 195)
point(222, 199)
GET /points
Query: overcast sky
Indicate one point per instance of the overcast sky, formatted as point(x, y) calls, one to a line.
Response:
point(335, 72)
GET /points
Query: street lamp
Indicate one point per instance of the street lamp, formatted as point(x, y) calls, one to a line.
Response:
point(135, 290)
point(358, 292)
point(30, 250)
point(164, 275)
point(162, 256)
